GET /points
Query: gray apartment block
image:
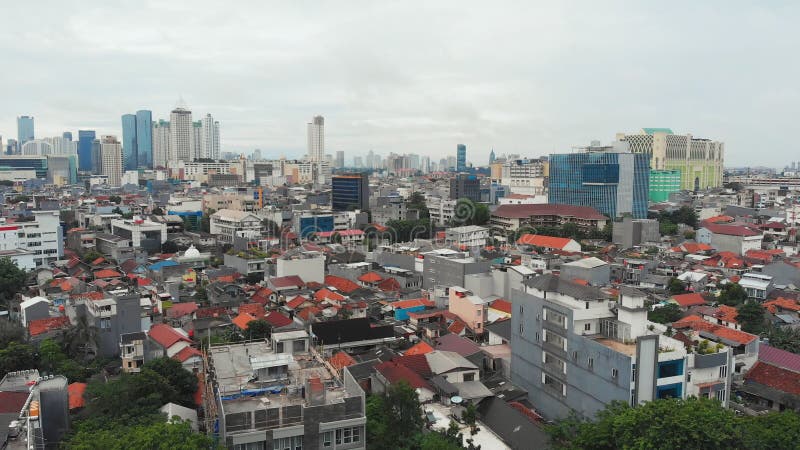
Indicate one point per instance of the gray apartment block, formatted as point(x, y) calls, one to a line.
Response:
point(443, 271)
point(113, 317)
point(594, 270)
point(629, 232)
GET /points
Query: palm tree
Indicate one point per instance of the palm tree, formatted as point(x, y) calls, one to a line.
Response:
point(82, 335)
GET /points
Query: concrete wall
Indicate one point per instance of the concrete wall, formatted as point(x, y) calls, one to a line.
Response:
point(309, 269)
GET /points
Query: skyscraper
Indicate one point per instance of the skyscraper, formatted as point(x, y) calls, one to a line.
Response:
point(130, 151)
point(161, 142)
point(339, 159)
point(461, 157)
point(316, 139)
point(24, 130)
point(609, 179)
point(181, 133)
point(491, 157)
point(85, 138)
point(111, 159)
point(197, 138)
point(350, 191)
point(210, 138)
point(144, 138)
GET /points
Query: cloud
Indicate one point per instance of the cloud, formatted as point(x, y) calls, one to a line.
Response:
point(523, 77)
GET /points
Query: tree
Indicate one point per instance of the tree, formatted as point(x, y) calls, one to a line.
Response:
point(665, 314)
point(183, 381)
point(117, 210)
point(158, 435)
point(16, 356)
point(255, 277)
point(205, 221)
point(675, 286)
point(12, 278)
point(751, 316)
point(50, 355)
point(773, 431)
point(784, 338)
point(91, 255)
point(9, 332)
point(417, 202)
point(201, 294)
point(169, 247)
point(81, 337)
point(115, 199)
point(258, 329)
point(397, 409)
point(732, 294)
point(470, 416)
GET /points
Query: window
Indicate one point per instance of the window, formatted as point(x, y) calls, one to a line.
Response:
point(356, 434)
point(614, 373)
point(633, 373)
point(575, 355)
point(105, 323)
point(521, 328)
point(723, 371)
point(520, 309)
point(537, 337)
point(587, 305)
point(469, 377)
point(289, 443)
point(688, 376)
point(587, 327)
point(591, 363)
point(721, 395)
point(348, 435)
point(339, 436)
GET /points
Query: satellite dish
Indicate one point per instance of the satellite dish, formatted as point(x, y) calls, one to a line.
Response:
point(456, 399)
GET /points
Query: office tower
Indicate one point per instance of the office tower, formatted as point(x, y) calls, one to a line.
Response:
point(62, 169)
point(197, 137)
point(24, 130)
point(377, 162)
point(97, 158)
point(609, 179)
point(144, 138)
point(210, 138)
point(11, 147)
point(350, 191)
point(461, 157)
point(181, 135)
point(37, 147)
point(161, 142)
point(465, 186)
point(370, 158)
point(256, 156)
point(111, 159)
point(663, 183)
point(85, 139)
point(130, 151)
point(357, 162)
point(339, 159)
point(701, 161)
point(316, 139)
point(67, 135)
point(491, 157)
point(425, 164)
point(412, 161)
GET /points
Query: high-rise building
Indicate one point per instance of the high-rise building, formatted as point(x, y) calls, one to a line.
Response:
point(24, 130)
point(465, 186)
point(67, 135)
point(610, 179)
point(144, 138)
point(62, 169)
point(491, 157)
point(339, 159)
point(663, 183)
point(316, 139)
point(425, 164)
point(197, 138)
point(85, 139)
point(37, 147)
point(161, 142)
point(701, 161)
point(130, 150)
point(369, 160)
point(461, 157)
point(350, 191)
point(358, 162)
point(97, 157)
point(111, 159)
point(210, 138)
point(181, 135)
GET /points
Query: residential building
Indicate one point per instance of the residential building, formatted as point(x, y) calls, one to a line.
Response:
point(757, 285)
point(524, 176)
point(144, 234)
point(447, 268)
point(467, 236)
point(24, 130)
point(309, 266)
point(737, 239)
point(161, 143)
point(573, 349)
point(197, 137)
point(39, 234)
point(85, 139)
point(471, 309)
point(227, 224)
point(663, 183)
point(36, 147)
point(630, 232)
point(512, 217)
point(181, 135)
point(114, 316)
point(316, 139)
point(465, 186)
point(591, 270)
point(111, 163)
point(549, 242)
point(700, 161)
point(62, 169)
point(350, 191)
point(461, 158)
point(611, 179)
point(339, 159)
point(209, 147)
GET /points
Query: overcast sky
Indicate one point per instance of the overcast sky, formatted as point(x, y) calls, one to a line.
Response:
point(525, 77)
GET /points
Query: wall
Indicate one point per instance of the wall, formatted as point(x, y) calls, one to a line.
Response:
point(309, 269)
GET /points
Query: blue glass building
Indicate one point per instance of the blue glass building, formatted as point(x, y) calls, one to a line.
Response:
point(36, 163)
point(461, 158)
point(24, 130)
point(612, 182)
point(130, 153)
point(85, 139)
point(144, 138)
point(350, 191)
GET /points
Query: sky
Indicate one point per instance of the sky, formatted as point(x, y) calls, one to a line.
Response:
point(528, 77)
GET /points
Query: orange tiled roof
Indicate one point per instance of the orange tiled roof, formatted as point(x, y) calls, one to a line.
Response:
point(341, 359)
point(686, 300)
point(539, 240)
point(242, 320)
point(254, 309)
point(326, 293)
point(419, 348)
point(780, 303)
point(501, 305)
point(370, 277)
point(75, 392)
point(341, 284)
point(40, 326)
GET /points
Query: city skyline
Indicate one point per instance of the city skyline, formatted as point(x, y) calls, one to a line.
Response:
point(534, 79)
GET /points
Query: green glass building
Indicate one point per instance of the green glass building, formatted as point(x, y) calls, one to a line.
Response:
point(663, 183)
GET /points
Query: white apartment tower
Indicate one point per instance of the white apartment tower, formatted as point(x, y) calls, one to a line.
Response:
point(316, 139)
point(111, 159)
point(181, 130)
point(209, 147)
point(197, 138)
point(161, 141)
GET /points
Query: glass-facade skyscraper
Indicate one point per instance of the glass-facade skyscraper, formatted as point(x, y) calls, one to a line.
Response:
point(613, 182)
point(24, 130)
point(350, 191)
point(85, 139)
point(130, 151)
point(461, 158)
point(144, 138)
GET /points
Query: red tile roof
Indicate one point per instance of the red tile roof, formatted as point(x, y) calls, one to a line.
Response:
point(92, 295)
point(418, 363)
point(411, 303)
point(687, 300)
point(547, 209)
point(254, 309)
point(780, 303)
point(40, 326)
point(326, 293)
point(419, 348)
point(286, 282)
point(75, 392)
point(719, 331)
point(327, 234)
point(726, 313)
point(501, 305)
point(214, 311)
point(389, 285)
point(295, 302)
point(11, 402)
point(97, 261)
point(107, 273)
point(278, 320)
point(178, 310)
point(308, 312)
point(730, 230)
point(457, 327)
point(370, 277)
point(775, 377)
point(341, 284)
point(242, 320)
point(341, 359)
point(166, 336)
point(539, 240)
point(186, 353)
point(394, 373)
point(778, 357)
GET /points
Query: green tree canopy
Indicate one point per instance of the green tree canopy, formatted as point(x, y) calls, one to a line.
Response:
point(115, 199)
point(16, 356)
point(397, 409)
point(158, 435)
point(751, 316)
point(784, 338)
point(183, 381)
point(732, 294)
point(12, 278)
point(258, 329)
point(676, 286)
point(665, 314)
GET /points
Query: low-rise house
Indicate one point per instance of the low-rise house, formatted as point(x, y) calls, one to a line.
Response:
point(549, 242)
point(773, 383)
point(170, 340)
point(757, 285)
point(593, 270)
point(471, 309)
point(686, 301)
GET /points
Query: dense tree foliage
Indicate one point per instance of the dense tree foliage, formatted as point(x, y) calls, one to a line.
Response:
point(183, 381)
point(416, 201)
point(676, 424)
point(90, 256)
point(258, 329)
point(156, 435)
point(665, 314)
point(751, 316)
point(732, 294)
point(16, 356)
point(468, 212)
point(116, 199)
point(676, 286)
point(408, 230)
point(784, 338)
point(12, 279)
point(668, 221)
